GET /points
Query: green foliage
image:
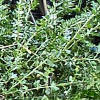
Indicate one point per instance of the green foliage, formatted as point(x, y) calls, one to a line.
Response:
point(49, 58)
point(67, 7)
point(34, 4)
point(98, 1)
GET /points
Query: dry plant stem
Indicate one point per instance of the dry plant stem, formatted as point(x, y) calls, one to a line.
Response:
point(58, 85)
point(43, 7)
point(79, 59)
point(78, 31)
point(28, 74)
point(8, 46)
point(80, 22)
point(29, 12)
point(33, 19)
point(37, 50)
point(46, 86)
point(2, 97)
point(81, 29)
point(84, 35)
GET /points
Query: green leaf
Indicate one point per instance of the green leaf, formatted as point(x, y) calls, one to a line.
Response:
point(45, 97)
point(98, 1)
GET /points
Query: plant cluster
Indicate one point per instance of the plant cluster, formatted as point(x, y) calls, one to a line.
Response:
point(52, 58)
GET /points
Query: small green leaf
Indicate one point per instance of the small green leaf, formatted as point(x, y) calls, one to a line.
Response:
point(45, 97)
point(98, 1)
